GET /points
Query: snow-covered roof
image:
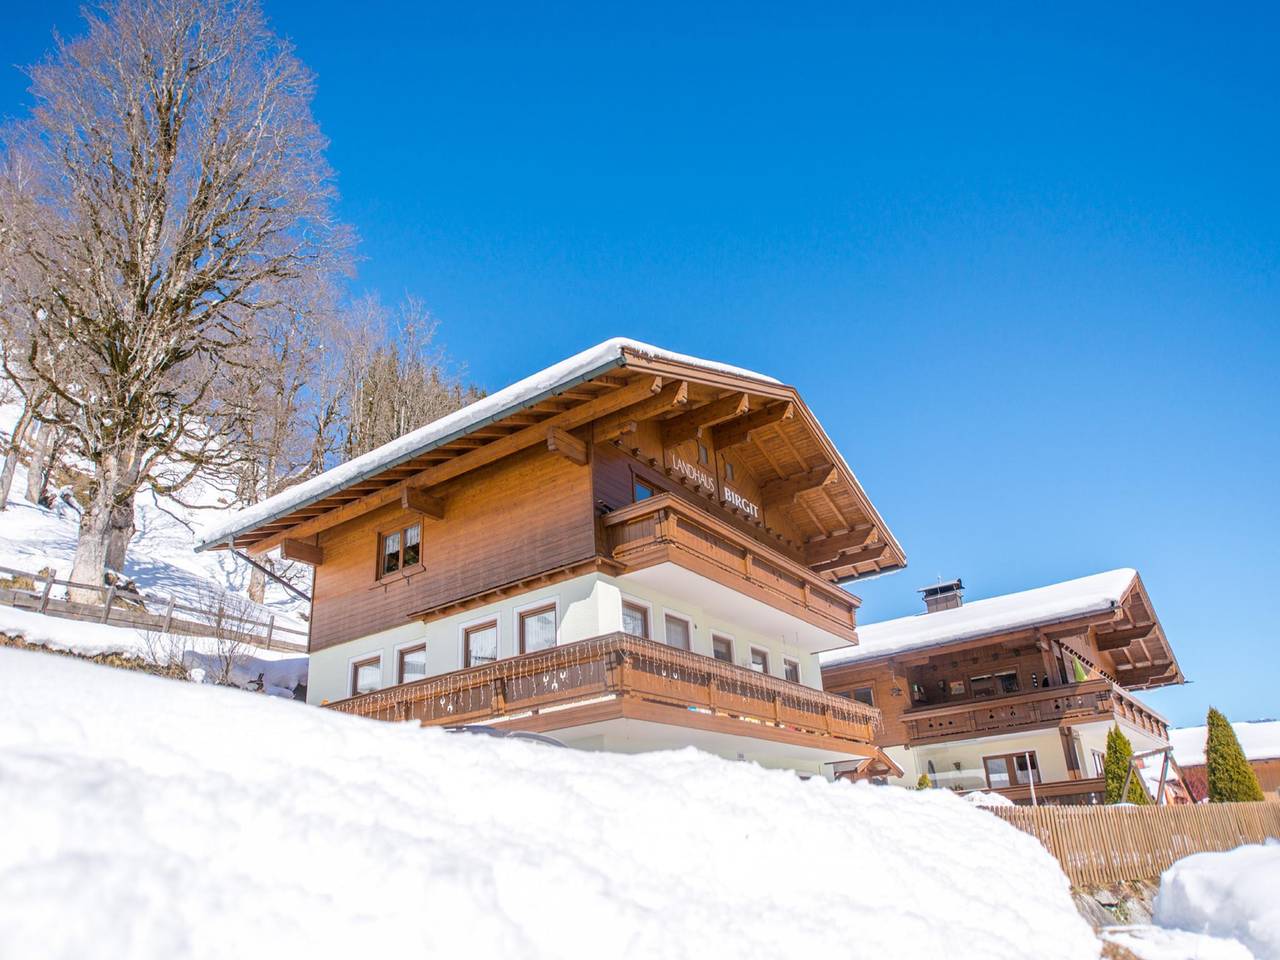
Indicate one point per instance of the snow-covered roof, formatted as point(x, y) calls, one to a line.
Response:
point(979, 618)
point(583, 366)
point(1260, 740)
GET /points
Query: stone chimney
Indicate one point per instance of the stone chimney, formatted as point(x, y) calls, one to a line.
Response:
point(942, 596)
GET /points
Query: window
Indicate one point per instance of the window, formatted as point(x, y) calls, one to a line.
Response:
point(1007, 681)
point(759, 660)
point(635, 619)
point(366, 675)
point(728, 471)
point(791, 670)
point(703, 455)
point(1006, 770)
point(722, 648)
point(538, 629)
point(863, 695)
point(401, 548)
point(983, 686)
point(412, 664)
point(480, 644)
point(677, 632)
point(1099, 763)
point(641, 491)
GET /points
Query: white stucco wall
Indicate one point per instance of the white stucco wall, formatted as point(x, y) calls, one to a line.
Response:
point(587, 606)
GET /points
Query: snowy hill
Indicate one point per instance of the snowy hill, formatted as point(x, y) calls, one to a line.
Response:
point(206, 822)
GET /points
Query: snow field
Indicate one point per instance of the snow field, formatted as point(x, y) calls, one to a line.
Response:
point(153, 818)
point(1234, 894)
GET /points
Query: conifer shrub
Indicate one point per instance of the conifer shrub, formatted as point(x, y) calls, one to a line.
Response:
point(1115, 767)
point(1231, 778)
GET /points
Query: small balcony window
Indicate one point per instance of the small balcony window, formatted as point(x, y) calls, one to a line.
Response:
point(791, 670)
point(480, 644)
point(635, 620)
point(538, 629)
point(641, 491)
point(677, 632)
point(412, 664)
point(759, 660)
point(722, 649)
point(366, 675)
point(863, 695)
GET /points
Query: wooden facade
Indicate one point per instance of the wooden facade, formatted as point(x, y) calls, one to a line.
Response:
point(1056, 676)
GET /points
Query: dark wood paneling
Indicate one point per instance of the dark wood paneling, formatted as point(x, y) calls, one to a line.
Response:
point(524, 515)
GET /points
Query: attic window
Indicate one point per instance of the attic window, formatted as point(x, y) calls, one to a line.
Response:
point(399, 549)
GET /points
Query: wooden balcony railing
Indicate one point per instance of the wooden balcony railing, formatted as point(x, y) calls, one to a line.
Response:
point(550, 684)
point(666, 528)
point(1093, 699)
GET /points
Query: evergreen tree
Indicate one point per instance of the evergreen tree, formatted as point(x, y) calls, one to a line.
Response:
point(1231, 778)
point(1115, 768)
point(924, 783)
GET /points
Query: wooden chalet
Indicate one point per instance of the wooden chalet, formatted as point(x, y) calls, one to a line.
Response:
point(1013, 694)
point(630, 550)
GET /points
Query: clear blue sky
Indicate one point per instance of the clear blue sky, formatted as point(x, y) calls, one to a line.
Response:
point(1023, 265)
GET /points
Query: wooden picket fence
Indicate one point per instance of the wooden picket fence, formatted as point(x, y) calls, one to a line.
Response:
point(1101, 845)
point(250, 623)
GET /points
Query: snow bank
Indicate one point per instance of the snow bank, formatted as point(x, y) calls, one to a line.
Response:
point(1157, 943)
point(242, 825)
point(280, 672)
point(1231, 894)
point(1059, 601)
point(584, 365)
point(981, 798)
point(1259, 739)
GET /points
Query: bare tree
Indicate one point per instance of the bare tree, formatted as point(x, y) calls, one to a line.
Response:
point(176, 190)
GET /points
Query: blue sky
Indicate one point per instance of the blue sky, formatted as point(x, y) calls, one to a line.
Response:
point(1022, 264)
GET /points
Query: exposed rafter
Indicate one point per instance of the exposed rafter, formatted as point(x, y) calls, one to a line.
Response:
point(673, 396)
point(777, 493)
point(567, 445)
point(818, 551)
point(738, 432)
point(419, 501)
point(696, 421)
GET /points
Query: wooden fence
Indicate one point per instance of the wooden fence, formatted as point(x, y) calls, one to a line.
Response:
point(222, 616)
point(1101, 845)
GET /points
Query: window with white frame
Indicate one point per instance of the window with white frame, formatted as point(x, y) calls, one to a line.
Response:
point(366, 675)
point(759, 660)
point(677, 632)
point(538, 629)
point(635, 619)
point(791, 670)
point(412, 663)
point(480, 644)
point(722, 648)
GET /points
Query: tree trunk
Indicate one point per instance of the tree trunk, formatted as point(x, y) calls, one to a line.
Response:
point(257, 585)
point(11, 455)
point(105, 527)
point(120, 535)
point(41, 459)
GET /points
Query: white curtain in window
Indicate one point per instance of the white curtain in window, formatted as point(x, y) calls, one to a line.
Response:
point(678, 633)
point(538, 630)
point(482, 645)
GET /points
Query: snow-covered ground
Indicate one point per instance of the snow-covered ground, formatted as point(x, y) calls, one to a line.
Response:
point(161, 559)
point(151, 818)
point(1233, 894)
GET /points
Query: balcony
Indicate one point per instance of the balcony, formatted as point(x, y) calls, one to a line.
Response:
point(1048, 706)
point(618, 676)
point(666, 529)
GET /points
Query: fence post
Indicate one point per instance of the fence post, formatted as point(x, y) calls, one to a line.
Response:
point(168, 616)
point(271, 626)
point(106, 609)
point(44, 594)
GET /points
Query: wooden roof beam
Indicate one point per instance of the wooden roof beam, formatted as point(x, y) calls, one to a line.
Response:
point(777, 493)
point(737, 432)
point(818, 551)
point(873, 552)
point(674, 396)
point(1116, 639)
point(584, 413)
point(692, 424)
point(421, 502)
point(567, 445)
